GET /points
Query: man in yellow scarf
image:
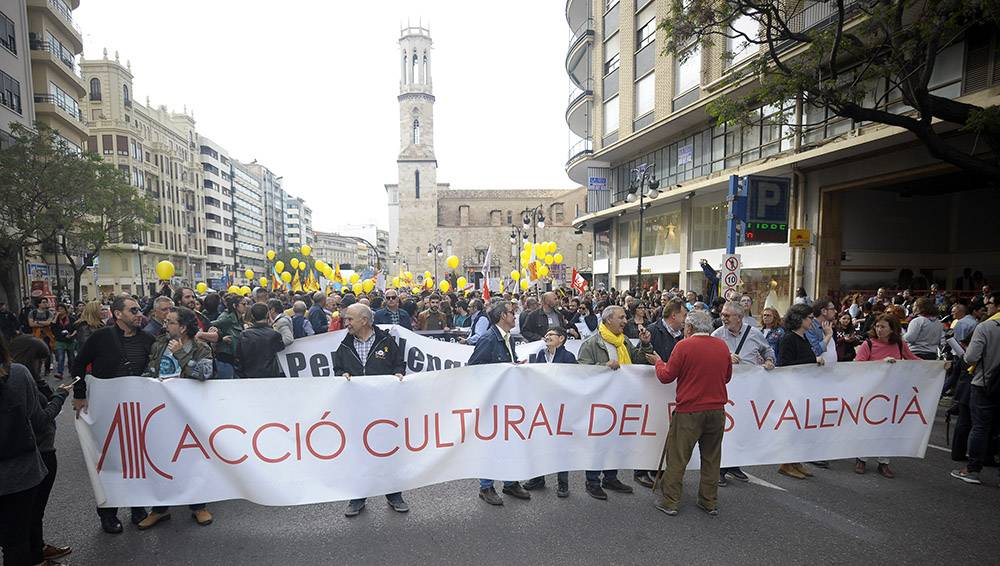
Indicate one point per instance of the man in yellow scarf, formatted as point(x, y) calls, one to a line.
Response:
point(610, 347)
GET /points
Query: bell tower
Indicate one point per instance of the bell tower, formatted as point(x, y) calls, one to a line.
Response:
point(413, 207)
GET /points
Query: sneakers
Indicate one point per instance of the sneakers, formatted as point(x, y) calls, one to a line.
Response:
point(152, 520)
point(965, 475)
point(737, 474)
point(534, 483)
point(354, 507)
point(515, 490)
point(712, 512)
point(490, 496)
point(562, 490)
point(723, 482)
point(616, 485)
point(397, 503)
point(643, 479)
point(859, 466)
point(662, 506)
point(594, 490)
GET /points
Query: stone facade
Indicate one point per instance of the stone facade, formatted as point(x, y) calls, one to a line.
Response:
point(424, 213)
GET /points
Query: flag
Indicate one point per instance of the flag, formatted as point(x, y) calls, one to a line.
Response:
point(579, 283)
point(337, 277)
point(296, 283)
point(486, 273)
point(311, 284)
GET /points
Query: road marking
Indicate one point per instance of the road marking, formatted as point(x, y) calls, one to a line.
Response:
point(941, 448)
point(755, 480)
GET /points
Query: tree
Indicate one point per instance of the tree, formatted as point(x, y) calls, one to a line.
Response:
point(35, 187)
point(106, 210)
point(854, 64)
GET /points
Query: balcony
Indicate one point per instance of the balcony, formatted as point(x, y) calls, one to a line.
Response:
point(817, 13)
point(579, 54)
point(62, 15)
point(73, 117)
point(577, 157)
point(60, 59)
point(578, 110)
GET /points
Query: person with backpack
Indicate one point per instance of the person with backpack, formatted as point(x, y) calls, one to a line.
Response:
point(885, 342)
point(301, 327)
point(983, 354)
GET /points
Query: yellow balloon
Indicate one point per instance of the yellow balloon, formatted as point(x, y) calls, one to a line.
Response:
point(558, 258)
point(543, 270)
point(525, 257)
point(263, 281)
point(244, 290)
point(427, 275)
point(164, 270)
point(515, 275)
point(553, 247)
point(395, 282)
point(462, 282)
point(368, 285)
point(357, 288)
point(408, 275)
point(354, 278)
point(233, 290)
point(306, 250)
point(248, 273)
point(270, 255)
point(444, 286)
point(201, 287)
point(549, 259)
point(452, 261)
point(415, 290)
point(527, 246)
point(279, 266)
point(429, 282)
point(295, 263)
point(286, 277)
point(524, 284)
point(320, 265)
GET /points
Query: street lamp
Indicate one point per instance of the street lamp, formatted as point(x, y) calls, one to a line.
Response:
point(533, 218)
point(142, 281)
point(644, 185)
point(435, 251)
point(517, 237)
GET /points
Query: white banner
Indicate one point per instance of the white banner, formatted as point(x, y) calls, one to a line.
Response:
point(297, 441)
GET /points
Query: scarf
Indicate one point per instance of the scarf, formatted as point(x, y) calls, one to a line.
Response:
point(618, 342)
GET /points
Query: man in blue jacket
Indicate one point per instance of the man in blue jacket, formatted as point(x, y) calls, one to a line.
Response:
point(495, 348)
point(392, 314)
point(317, 313)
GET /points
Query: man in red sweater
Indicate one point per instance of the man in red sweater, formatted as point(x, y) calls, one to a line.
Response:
point(701, 366)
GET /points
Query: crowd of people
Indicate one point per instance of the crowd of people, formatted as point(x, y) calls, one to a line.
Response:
point(181, 334)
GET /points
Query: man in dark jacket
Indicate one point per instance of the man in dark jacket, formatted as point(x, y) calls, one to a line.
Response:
point(258, 346)
point(392, 313)
point(540, 320)
point(116, 350)
point(495, 348)
point(368, 350)
point(317, 313)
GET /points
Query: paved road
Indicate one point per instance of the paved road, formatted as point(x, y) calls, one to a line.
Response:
point(922, 517)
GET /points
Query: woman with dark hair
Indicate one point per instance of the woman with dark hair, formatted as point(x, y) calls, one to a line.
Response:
point(230, 325)
point(925, 333)
point(62, 328)
point(845, 337)
point(461, 316)
point(211, 305)
point(795, 350)
point(885, 342)
point(588, 318)
point(26, 419)
point(32, 353)
point(639, 319)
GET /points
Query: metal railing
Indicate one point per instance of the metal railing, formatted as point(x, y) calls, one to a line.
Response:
point(598, 200)
point(816, 13)
point(585, 28)
point(52, 99)
point(580, 147)
point(576, 92)
point(58, 51)
point(67, 15)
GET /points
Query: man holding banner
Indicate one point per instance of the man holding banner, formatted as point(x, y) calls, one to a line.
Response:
point(495, 348)
point(368, 350)
point(610, 347)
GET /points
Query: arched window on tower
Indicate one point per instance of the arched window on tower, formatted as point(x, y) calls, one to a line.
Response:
point(447, 248)
point(416, 182)
point(414, 69)
point(127, 100)
point(95, 89)
point(416, 131)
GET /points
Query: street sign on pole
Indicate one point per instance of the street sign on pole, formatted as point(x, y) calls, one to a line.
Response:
point(730, 279)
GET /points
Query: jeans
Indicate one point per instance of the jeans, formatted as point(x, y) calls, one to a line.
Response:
point(15, 532)
point(36, 537)
point(64, 356)
point(397, 496)
point(983, 411)
point(193, 507)
point(224, 370)
point(594, 476)
point(561, 477)
point(486, 484)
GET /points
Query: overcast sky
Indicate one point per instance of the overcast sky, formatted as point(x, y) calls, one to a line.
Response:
point(309, 88)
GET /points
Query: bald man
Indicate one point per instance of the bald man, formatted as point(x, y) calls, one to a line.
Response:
point(539, 321)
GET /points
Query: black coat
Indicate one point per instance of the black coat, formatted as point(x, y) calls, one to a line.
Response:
point(662, 340)
point(256, 352)
point(536, 324)
point(795, 350)
point(385, 357)
point(105, 356)
point(490, 349)
point(562, 356)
